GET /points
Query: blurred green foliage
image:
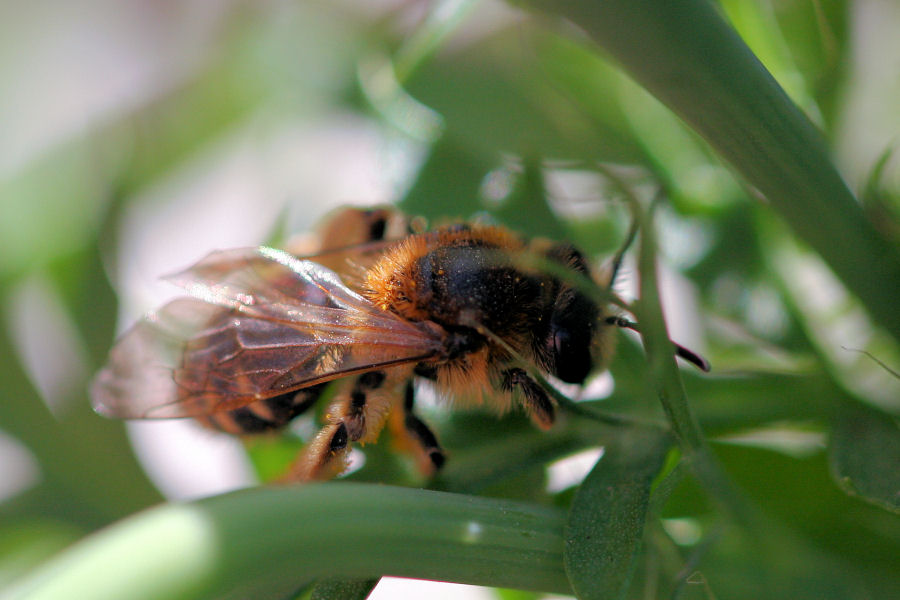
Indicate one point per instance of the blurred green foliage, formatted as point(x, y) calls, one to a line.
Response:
point(792, 489)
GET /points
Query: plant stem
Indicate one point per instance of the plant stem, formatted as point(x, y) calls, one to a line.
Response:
point(664, 371)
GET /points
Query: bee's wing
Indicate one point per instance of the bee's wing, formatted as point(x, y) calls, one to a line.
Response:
point(261, 323)
point(350, 239)
point(351, 262)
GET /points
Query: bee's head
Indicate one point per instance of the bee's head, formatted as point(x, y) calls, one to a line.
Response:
point(570, 340)
point(572, 346)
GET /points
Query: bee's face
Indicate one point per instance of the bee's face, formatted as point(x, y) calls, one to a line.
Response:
point(571, 339)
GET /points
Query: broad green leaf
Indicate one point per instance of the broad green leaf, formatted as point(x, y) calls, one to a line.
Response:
point(606, 521)
point(865, 455)
point(282, 538)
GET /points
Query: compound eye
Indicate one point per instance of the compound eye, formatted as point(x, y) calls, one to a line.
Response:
point(571, 355)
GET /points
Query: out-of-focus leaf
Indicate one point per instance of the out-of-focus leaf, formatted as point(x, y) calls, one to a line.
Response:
point(343, 589)
point(739, 566)
point(271, 455)
point(444, 18)
point(50, 208)
point(851, 541)
point(495, 99)
point(526, 209)
point(688, 57)
point(816, 34)
point(759, 28)
point(249, 70)
point(591, 83)
point(433, 194)
point(26, 542)
point(83, 457)
point(740, 401)
point(882, 207)
point(89, 298)
point(865, 455)
point(606, 521)
point(833, 321)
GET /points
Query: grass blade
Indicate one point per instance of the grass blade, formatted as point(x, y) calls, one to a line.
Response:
point(281, 538)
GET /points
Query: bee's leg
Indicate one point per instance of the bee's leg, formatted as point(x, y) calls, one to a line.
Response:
point(368, 407)
point(426, 439)
point(325, 457)
point(412, 435)
point(266, 415)
point(534, 398)
point(357, 414)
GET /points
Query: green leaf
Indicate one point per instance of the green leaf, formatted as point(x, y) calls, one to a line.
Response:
point(26, 542)
point(84, 458)
point(881, 203)
point(495, 98)
point(257, 541)
point(506, 450)
point(344, 589)
point(272, 455)
point(506, 594)
point(686, 55)
point(433, 194)
point(606, 522)
point(443, 19)
point(739, 401)
point(526, 209)
point(865, 455)
point(814, 539)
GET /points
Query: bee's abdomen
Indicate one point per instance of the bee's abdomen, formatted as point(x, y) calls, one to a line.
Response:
point(266, 415)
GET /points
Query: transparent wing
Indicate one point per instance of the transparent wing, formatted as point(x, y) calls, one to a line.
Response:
point(261, 323)
point(350, 239)
point(352, 262)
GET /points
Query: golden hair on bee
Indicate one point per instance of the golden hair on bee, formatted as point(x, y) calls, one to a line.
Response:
point(391, 282)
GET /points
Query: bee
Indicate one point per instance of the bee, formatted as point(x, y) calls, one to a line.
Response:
point(263, 332)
